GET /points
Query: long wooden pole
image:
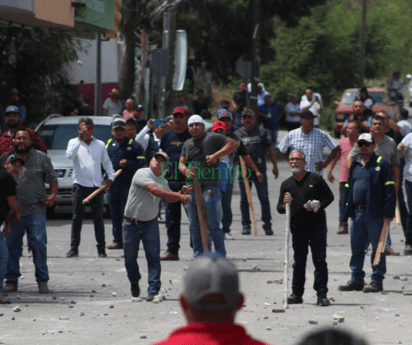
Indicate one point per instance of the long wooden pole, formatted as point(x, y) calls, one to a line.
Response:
point(382, 241)
point(249, 195)
point(101, 188)
point(286, 263)
point(201, 211)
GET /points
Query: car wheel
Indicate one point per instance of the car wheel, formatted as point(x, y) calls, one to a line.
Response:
point(50, 211)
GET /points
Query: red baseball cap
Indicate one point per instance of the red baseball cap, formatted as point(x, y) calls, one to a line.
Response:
point(218, 125)
point(179, 110)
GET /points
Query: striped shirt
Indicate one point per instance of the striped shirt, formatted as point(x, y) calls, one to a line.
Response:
point(310, 144)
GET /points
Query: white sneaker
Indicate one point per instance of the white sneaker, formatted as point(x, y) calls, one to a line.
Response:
point(228, 236)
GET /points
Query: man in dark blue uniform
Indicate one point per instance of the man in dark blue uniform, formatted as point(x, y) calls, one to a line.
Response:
point(370, 199)
point(128, 155)
point(172, 143)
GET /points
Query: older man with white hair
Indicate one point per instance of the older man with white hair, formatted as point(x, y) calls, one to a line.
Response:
point(204, 151)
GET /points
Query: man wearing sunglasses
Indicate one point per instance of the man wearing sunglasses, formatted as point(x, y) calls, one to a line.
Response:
point(385, 147)
point(370, 198)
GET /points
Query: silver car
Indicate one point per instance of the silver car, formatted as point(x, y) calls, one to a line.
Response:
point(56, 131)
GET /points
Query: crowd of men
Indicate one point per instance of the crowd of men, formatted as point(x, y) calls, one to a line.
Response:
point(146, 162)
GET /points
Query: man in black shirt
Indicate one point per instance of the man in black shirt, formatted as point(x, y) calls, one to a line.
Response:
point(239, 102)
point(200, 103)
point(307, 224)
point(257, 141)
point(13, 168)
point(172, 143)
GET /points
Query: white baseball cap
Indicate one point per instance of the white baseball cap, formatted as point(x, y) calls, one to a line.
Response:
point(195, 119)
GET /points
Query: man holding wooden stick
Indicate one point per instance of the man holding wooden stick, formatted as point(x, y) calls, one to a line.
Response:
point(204, 151)
point(88, 154)
point(370, 199)
point(257, 143)
point(308, 195)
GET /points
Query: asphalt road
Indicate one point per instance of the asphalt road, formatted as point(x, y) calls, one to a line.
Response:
point(90, 301)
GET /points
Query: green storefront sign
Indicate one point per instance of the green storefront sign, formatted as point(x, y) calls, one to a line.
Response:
point(98, 13)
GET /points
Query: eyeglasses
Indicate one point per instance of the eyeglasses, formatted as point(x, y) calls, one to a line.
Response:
point(221, 131)
point(364, 143)
point(178, 116)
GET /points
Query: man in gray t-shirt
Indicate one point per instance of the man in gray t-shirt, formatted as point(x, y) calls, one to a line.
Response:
point(204, 151)
point(140, 221)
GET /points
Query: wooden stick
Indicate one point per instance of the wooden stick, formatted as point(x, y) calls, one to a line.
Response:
point(249, 195)
point(201, 211)
point(397, 213)
point(286, 267)
point(382, 241)
point(97, 191)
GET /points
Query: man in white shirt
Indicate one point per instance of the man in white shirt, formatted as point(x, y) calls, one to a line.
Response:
point(88, 154)
point(313, 103)
point(293, 111)
point(113, 105)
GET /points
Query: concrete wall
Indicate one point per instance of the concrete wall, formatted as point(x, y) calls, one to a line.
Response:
point(59, 12)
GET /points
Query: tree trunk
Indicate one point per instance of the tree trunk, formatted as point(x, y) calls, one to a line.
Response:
point(127, 73)
point(140, 88)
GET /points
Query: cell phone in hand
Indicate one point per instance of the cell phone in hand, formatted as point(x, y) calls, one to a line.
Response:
point(157, 123)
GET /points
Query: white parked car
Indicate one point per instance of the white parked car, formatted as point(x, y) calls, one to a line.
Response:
point(56, 131)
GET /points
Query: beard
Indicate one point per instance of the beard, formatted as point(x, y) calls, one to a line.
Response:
point(296, 170)
point(12, 124)
point(24, 149)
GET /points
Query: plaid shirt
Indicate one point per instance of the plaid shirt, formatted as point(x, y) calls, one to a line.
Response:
point(310, 144)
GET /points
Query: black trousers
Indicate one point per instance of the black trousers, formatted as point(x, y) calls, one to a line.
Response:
point(78, 194)
point(301, 241)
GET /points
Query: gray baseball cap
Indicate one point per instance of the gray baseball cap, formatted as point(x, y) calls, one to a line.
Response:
point(15, 157)
point(163, 154)
point(208, 274)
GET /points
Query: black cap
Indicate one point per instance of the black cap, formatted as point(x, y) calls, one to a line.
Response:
point(119, 123)
point(15, 157)
point(139, 107)
point(306, 114)
point(248, 112)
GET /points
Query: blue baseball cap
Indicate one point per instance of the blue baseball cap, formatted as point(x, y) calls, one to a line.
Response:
point(12, 109)
point(223, 113)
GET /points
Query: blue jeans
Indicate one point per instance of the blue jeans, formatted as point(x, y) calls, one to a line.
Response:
point(263, 195)
point(213, 220)
point(148, 233)
point(35, 225)
point(274, 135)
point(227, 208)
point(301, 241)
point(408, 232)
point(238, 118)
point(4, 255)
point(365, 227)
point(117, 198)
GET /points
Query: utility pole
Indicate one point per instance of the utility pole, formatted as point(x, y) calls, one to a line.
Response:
point(362, 46)
point(255, 55)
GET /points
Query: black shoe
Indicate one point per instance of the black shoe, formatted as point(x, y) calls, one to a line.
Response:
point(293, 299)
point(246, 230)
point(102, 253)
point(323, 301)
point(150, 296)
point(350, 286)
point(135, 290)
point(268, 232)
point(373, 287)
point(72, 253)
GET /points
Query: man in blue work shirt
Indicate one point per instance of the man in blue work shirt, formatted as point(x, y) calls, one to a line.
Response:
point(128, 155)
point(370, 199)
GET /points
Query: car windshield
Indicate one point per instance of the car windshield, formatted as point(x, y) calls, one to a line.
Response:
point(56, 137)
point(349, 97)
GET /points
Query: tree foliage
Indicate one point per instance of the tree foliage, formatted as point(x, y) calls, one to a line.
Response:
point(220, 32)
point(33, 61)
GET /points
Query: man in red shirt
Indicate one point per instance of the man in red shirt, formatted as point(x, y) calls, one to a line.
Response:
point(14, 122)
point(210, 301)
